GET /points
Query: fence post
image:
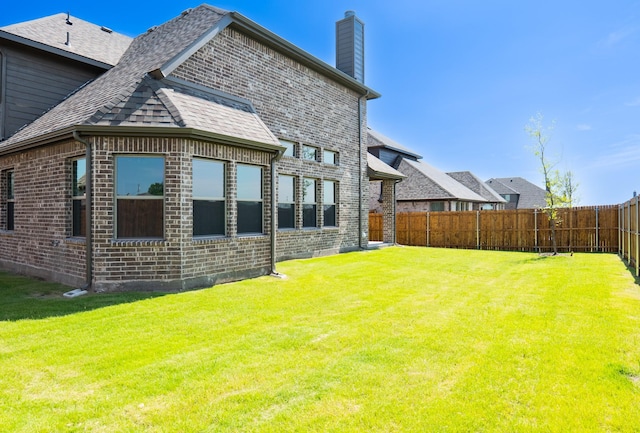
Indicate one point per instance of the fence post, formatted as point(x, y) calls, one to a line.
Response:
point(637, 258)
point(428, 227)
point(620, 230)
point(535, 230)
point(597, 231)
point(478, 229)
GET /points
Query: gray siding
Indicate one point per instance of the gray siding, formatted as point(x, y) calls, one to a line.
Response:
point(33, 82)
point(350, 47)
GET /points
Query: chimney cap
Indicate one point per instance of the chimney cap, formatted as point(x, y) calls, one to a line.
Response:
point(348, 14)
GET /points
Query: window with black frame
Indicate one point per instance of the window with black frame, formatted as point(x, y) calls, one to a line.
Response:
point(209, 205)
point(329, 203)
point(139, 197)
point(79, 197)
point(249, 199)
point(309, 204)
point(286, 202)
point(10, 200)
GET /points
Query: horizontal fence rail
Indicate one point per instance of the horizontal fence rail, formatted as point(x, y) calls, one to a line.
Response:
point(579, 229)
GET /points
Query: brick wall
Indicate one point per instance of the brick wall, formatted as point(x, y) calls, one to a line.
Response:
point(41, 242)
point(302, 106)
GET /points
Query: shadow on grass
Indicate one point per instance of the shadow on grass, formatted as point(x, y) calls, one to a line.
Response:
point(27, 298)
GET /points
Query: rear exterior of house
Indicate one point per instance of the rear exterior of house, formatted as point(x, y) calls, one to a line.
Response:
point(211, 150)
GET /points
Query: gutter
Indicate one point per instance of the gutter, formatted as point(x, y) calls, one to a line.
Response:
point(274, 216)
point(89, 206)
point(361, 235)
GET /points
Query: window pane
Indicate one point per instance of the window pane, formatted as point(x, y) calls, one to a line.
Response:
point(329, 157)
point(329, 192)
point(249, 217)
point(79, 226)
point(286, 216)
point(208, 217)
point(330, 215)
point(208, 179)
point(309, 215)
point(286, 189)
point(249, 182)
point(139, 176)
point(308, 191)
point(290, 145)
point(79, 177)
point(10, 214)
point(309, 153)
point(140, 218)
point(10, 185)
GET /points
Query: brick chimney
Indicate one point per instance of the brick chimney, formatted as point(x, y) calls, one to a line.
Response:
point(350, 46)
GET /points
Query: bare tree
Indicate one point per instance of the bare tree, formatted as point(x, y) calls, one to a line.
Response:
point(552, 178)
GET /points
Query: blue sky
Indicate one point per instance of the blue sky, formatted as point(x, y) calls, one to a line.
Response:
point(461, 78)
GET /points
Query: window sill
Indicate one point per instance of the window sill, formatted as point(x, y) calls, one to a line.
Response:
point(7, 232)
point(137, 242)
point(198, 240)
point(76, 240)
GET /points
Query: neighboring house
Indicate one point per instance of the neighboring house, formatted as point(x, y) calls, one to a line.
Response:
point(210, 150)
point(519, 193)
point(473, 182)
point(425, 188)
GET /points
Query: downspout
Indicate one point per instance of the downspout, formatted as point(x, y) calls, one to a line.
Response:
point(361, 235)
point(274, 215)
point(89, 206)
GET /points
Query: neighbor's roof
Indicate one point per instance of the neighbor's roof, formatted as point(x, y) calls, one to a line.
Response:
point(376, 139)
point(378, 170)
point(86, 41)
point(426, 182)
point(531, 196)
point(141, 78)
point(476, 185)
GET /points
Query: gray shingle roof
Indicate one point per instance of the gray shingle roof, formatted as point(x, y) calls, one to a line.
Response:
point(476, 185)
point(375, 139)
point(378, 170)
point(425, 182)
point(85, 39)
point(128, 95)
point(531, 196)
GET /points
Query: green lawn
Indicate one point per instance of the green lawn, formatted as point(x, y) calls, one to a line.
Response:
point(395, 340)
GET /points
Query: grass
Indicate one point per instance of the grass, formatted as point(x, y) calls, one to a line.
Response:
point(400, 339)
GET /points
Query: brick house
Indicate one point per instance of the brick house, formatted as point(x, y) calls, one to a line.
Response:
point(210, 150)
point(424, 187)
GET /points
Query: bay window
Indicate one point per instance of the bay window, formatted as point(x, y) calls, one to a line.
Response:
point(209, 206)
point(249, 202)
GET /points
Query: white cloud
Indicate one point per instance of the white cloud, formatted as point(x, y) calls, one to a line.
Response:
point(617, 36)
point(634, 103)
point(583, 127)
point(619, 155)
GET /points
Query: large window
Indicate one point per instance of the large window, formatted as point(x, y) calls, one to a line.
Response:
point(10, 204)
point(329, 203)
point(286, 202)
point(249, 199)
point(139, 197)
point(79, 193)
point(208, 198)
point(309, 205)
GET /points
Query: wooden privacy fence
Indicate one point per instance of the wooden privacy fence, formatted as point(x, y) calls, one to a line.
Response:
point(580, 229)
point(629, 236)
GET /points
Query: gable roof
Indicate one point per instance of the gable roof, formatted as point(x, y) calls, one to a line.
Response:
point(376, 139)
point(104, 102)
point(79, 40)
point(531, 196)
point(476, 185)
point(425, 182)
point(378, 170)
